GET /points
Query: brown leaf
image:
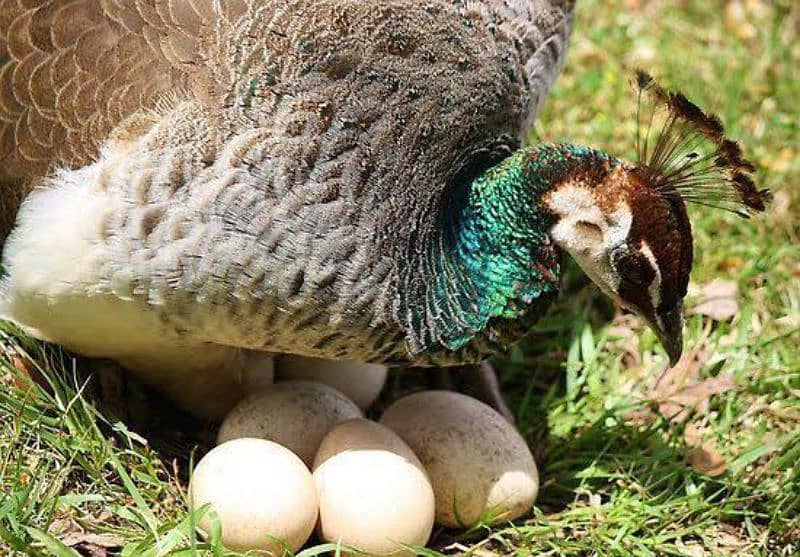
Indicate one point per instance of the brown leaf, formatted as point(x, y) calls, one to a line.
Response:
point(91, 545)
point(692, 434)
point(695, 397)
point(624, 336)
point(680, 390)
point(109, 541)
point(732, 264)
point(625, 342)
point(687, 369)
point(27, 374)
point(737, 21)
point(90, 550)
point(719, 300)
point(706, 460)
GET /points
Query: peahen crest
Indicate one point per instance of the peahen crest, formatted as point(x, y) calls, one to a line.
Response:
point(683, 151)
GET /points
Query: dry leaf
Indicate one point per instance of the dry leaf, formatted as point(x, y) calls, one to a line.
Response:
point(737, 21)
point(28, 374)
point(90, 550)
point(718, 301)
point(694, 397)
point(693, 549)
point(706, 460)
point(625, 342)
point(679, 390)
point(692, 434)
point(624, 336)
point(91, 545)
point(71, 534)
point(109, 541)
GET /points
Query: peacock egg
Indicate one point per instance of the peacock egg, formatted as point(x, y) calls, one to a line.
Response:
point(295, 414)
point(479, 465)
point(362, 383)
point(373, 492)
point(260, 491)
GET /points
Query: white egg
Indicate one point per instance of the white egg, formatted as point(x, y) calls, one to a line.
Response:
point(260, 491)
point(373, 492)
point(295, 414)
point(362, 383)
point(480, 467)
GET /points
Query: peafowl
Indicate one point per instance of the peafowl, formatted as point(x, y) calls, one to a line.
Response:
point(187, 183)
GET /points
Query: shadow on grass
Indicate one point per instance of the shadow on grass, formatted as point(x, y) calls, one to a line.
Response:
point(171, 432)
point(532, 375)
point(601, 457)
point(118, 397)
point(581, 451)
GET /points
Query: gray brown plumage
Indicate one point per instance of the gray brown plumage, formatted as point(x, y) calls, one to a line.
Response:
point(232, 168)
point(73, 71)
point(220, 180)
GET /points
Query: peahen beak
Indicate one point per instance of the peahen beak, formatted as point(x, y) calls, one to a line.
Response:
point(669, 329)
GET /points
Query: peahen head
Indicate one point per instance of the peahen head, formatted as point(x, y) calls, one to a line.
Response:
point(625, 224)
point(634, 243)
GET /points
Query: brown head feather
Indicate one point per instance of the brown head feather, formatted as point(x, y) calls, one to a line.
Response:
point(643, 79)
point(748, 193)
point(684, 108)
point(688, 155)
point(711, 126)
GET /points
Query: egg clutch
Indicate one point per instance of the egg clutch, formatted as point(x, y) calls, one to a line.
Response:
point(299, 456)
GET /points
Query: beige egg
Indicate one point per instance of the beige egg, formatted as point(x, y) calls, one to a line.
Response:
point(295, 414)
point(260, 491)
point(362, 383)
point(480, 467)
point(373, 491)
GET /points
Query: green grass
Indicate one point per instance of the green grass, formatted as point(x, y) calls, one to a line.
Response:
point(616, 475)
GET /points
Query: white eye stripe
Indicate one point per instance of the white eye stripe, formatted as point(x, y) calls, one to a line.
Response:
point(655, 285)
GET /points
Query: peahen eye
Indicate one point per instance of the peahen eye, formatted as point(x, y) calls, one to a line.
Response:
point(632, 268)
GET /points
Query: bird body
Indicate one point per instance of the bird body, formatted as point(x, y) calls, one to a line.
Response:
point(335, 179)
point(213, 177)
point(339, 87)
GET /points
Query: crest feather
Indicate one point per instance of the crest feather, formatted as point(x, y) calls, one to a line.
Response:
point(683, 151)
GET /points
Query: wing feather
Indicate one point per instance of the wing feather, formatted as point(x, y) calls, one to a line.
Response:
point(72, 70)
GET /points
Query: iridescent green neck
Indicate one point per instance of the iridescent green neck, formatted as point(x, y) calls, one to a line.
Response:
point(495, 259)
point(502, 223)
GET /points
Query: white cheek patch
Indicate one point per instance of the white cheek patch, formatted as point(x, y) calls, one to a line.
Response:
point(655, 286)
point(575, 204)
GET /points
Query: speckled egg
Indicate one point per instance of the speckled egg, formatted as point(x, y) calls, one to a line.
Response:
point(373, 492)
point(295, 414)
point(361, 383)
point(480, 467)
point(261, 492)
